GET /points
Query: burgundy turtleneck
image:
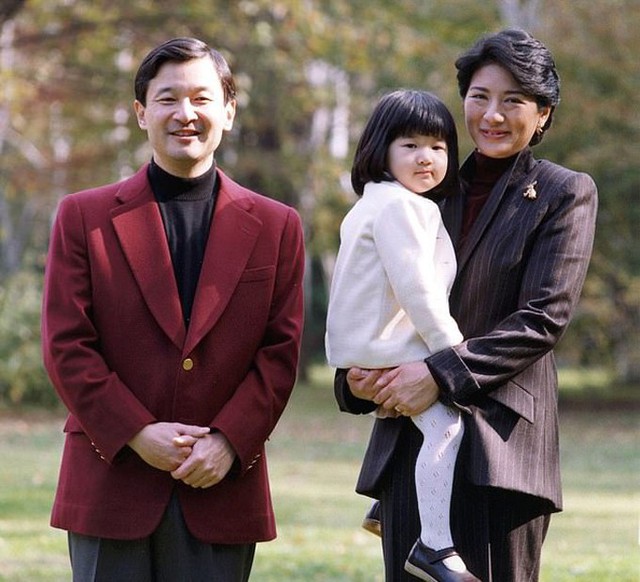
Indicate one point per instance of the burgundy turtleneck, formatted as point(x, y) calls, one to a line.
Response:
point(186, 206)
point(485, 174)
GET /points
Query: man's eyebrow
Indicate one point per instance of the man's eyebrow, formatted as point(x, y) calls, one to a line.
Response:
point(487, 90)
point(171, 88)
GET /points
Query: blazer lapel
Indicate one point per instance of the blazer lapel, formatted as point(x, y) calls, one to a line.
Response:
point(517, 170)
point(139, 228)
point(233, 235)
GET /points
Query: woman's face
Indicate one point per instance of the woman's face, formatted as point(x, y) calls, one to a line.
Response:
point(498, 115)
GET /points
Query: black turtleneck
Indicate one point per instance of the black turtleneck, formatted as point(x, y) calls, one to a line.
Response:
point(186, 206)
point(486, 173)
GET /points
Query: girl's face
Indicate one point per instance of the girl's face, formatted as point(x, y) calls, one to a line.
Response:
point(418, 162)
point(499, 117)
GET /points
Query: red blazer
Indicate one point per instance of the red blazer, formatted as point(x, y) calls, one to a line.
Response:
point(117, 351)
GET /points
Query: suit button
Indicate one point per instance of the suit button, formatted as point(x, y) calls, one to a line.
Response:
point(187, 364)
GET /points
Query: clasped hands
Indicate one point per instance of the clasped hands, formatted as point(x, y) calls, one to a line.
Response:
point(192, 454)
point(406, 390)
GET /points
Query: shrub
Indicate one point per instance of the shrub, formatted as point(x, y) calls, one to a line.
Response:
point(22, 376)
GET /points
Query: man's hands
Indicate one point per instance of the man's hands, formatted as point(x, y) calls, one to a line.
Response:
point(189, 452)
point(406, 390)
point(210, 460)
point(166, 445)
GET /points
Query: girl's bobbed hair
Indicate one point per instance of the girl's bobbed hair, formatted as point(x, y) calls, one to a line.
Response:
point(404, 113)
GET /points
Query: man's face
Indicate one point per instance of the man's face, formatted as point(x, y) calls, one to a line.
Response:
point(185, 116)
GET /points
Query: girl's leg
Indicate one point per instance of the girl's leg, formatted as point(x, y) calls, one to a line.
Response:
point(442, 428)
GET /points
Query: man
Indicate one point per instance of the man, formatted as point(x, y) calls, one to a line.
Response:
point(171, 327)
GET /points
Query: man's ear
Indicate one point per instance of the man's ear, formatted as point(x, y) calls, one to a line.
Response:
point(230, 111)
point(139, 108)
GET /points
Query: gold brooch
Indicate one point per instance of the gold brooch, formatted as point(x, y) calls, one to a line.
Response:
point(530, 192)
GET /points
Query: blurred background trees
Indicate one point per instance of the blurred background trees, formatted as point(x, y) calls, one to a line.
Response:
point(309, 72)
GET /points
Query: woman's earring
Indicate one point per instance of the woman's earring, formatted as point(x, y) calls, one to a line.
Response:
point(539, 129)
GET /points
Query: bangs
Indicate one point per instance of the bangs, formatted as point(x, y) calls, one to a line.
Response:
point(420, 116)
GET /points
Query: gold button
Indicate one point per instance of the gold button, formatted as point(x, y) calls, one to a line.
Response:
point(187, 364)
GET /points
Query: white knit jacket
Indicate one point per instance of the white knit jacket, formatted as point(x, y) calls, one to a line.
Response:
point(389, 300)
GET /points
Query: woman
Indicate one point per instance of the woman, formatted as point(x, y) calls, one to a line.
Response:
point(523, 230)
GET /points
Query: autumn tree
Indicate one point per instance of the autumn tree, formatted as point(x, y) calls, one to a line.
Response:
point(308, 75)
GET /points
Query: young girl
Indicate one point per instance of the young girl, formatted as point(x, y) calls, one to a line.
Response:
point(390, 289)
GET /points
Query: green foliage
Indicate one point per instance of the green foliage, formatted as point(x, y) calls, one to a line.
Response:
point(22, 378)
point(309, 73)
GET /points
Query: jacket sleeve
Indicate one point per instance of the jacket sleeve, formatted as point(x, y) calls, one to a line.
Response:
point(553, 269)
point(251, 414)
point(347, 402)
point(106, 409)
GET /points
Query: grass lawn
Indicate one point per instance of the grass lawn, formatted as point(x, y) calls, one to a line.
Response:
point(314, 460)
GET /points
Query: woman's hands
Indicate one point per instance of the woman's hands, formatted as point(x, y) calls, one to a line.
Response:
point(406, 390)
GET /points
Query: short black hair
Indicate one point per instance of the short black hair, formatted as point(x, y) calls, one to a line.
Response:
point(404, 113)
point(181, 50)
point(526, 58)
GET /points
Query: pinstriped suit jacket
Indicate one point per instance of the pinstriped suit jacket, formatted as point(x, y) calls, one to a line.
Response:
point(519, 278)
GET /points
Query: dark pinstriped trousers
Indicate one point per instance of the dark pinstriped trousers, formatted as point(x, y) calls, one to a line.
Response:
point(170, 554)
point(498, 533)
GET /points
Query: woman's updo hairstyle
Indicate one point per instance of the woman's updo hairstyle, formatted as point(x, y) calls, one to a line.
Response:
point(526, 58)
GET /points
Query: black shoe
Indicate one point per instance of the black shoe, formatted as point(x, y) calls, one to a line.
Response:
point(371, 521)
point(427, 564)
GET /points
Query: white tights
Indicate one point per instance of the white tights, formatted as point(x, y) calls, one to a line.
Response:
point(442, 428)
